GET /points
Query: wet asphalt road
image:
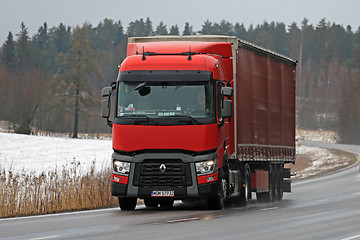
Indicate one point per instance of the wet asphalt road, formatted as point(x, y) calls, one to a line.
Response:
point(327, 207)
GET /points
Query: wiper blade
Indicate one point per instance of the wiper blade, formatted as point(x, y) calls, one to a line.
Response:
point(193, 120)
point(143, 116)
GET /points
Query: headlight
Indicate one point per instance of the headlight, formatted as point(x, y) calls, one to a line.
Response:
point(121, 167)
point(206, 167)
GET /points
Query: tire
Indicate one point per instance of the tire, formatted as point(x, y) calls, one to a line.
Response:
point(275, 183)
point(218, 202)
point(127, 204)
point(245, 193)
point(280, 192)
point(270, 195)
point(166, 202)
point(151, 202)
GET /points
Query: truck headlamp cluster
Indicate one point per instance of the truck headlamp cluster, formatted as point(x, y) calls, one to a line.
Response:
point(206, 167)
point(121, 167)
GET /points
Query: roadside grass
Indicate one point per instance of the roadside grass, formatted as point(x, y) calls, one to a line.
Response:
point(24, 193)
point(69, 189)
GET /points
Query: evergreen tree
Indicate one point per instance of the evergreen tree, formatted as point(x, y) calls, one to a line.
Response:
point(105, 35)
point(280, 39)
point(322, 42)
point(161, 29)
point(240, 31)
point(44, 50)
point(225, 28)
point(41, 39)
point(188, 30)
point(207, 28)
point(8, 53)
point(119, 33)
point(148, 28)
point(107, 38)
point(356, 50)
point(309, 41)
point(60, 36)
point(174, 30)
point(136, 29)
point(250, 33)
point(294, 39)
point(23, 48)
point(139, 28)
point(262, 36)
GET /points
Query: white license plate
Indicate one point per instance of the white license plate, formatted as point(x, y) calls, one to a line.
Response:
point(162, 193)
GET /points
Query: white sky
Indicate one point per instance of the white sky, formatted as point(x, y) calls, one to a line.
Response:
point(75, 12)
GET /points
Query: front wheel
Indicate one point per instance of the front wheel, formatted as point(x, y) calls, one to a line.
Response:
point(127, 203)
point(218, 202)
point(245, 192)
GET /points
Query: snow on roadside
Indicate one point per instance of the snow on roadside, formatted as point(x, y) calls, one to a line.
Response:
point(42, 154)
point(322, 161)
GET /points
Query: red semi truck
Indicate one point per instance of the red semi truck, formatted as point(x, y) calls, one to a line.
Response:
point(201, 117)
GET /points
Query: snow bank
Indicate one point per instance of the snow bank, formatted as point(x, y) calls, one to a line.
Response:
point(42, 154)
point(322, 161)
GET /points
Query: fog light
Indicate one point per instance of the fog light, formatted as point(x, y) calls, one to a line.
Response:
point(209, 179)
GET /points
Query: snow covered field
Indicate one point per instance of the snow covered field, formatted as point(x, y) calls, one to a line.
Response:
point(39, 154)
point(42, 154)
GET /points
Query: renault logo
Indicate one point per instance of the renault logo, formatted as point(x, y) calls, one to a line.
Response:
point(162, 168)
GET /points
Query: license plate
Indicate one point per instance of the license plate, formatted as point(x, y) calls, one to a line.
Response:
point(162, 193)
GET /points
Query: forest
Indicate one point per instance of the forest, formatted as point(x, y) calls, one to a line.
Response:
point(52, 81)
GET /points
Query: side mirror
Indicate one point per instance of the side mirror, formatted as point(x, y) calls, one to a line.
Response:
point(106, 91)
point(227, 91)
point(106, 103)
point(105, 110)
point(226, 108)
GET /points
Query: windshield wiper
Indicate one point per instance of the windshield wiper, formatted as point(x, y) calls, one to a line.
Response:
point(189, 118)
point(142, 117)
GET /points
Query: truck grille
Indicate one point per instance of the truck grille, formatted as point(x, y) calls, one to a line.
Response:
point(162, 181)
point(169, 168)
point(164, 172)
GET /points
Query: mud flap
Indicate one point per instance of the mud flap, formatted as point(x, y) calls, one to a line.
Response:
point(286, 180)
point(287, 185)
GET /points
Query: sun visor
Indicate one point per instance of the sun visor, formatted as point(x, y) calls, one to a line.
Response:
point(164, 75)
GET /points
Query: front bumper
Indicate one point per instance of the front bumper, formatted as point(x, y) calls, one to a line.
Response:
point(204, 190)
point(192, 188)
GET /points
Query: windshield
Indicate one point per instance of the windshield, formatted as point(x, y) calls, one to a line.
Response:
point(166, 99)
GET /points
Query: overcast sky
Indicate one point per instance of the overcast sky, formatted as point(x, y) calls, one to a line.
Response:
point(75, 12)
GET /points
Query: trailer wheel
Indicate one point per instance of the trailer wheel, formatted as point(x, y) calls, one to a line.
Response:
point(270, 195)
point(272, 184)
point(127, 203)
point(218, 202)
point(151, 203)
point(280, 192)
